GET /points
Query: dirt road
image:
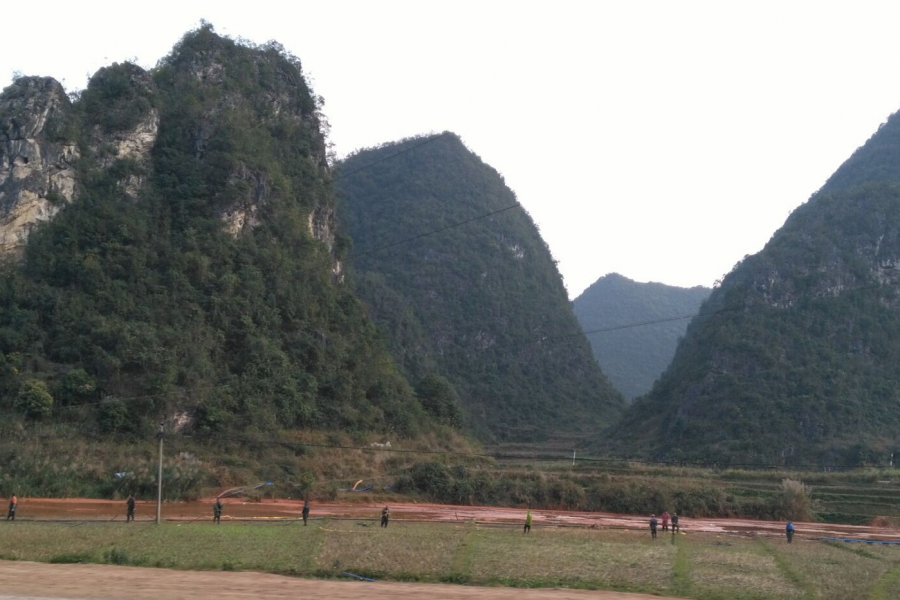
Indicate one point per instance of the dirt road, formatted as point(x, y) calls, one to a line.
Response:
point(41, 508)
point(96, 582)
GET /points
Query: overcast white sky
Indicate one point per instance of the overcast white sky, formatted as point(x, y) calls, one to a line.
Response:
point(662, 140)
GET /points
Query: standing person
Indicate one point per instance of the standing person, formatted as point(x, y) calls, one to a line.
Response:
point(306, 512)
point(665, 520)
point(653, 524)
point(675, 527)
point(129, 508)
point(13, 505)
point(385, 515)
point(217, 511)
point(527, 522)
point(789, 530)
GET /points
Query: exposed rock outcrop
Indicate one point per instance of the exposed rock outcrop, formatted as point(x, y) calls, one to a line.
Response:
point(38, 151)
point(126, 123)
point(285, 104)
point(116, 122)
point(37, 175)
point(242, 214)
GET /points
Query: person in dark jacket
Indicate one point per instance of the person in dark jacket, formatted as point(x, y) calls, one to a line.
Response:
point(13, 505)
point(217, 511)
point(675, 527)
point(305, 512)
point(653, 525)
point(789, 531)
point(129, 508)
point(385, 516)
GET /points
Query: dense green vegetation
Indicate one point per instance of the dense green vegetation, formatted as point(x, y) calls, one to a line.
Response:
point(794, 358)
point(474, 302)
point(634, 358)
point(152, 309)
point(604, 492)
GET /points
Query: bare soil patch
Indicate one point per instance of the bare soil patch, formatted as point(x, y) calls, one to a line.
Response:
point(97, 582)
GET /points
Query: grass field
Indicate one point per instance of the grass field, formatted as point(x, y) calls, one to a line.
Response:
point(703, 566)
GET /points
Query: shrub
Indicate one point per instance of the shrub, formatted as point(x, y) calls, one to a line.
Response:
point(795, 501)
point(114, 556)
point(112, 416)
point(34, 400)
point(70, 558)
point(75, 386)
point(431, 477)
point(305, 483)
point(440, 400)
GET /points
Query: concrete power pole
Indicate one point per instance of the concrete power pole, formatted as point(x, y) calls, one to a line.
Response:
point(159, 435)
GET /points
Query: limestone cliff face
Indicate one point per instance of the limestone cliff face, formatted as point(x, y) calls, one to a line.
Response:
point(43, 136)
point(125, 139)
point(48, 143)
point(37, 175)
point(827, 248)
point(285, 102)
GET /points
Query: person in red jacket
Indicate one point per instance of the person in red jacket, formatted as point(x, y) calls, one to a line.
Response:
point(665, 520)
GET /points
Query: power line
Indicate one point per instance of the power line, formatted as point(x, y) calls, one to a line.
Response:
point(131, 398)
point(697, 314)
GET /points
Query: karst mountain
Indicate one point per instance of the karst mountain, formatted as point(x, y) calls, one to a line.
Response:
point(794, 358)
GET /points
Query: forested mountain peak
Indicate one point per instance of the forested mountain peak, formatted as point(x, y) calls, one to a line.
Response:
point(177, 234)
point(481, 304)
point(634, 358)
point(794, 357)
point(876, 160)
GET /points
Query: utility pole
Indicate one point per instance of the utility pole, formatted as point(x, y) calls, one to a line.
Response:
point(159, 435)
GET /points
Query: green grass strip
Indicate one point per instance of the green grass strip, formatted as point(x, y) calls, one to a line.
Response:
point(460, 568)
point(787, 570)
point(883, 587)
point(316, 537)
point(681, 569)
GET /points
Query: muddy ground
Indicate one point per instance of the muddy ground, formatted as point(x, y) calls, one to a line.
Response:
point(271, 510)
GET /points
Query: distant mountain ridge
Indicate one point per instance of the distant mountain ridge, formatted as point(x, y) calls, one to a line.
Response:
point(471, 303)
point(794, 358)
point(634, 358)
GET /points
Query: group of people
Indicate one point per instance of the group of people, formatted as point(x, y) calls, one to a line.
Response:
point(218, 507)
point(386, 514)
point(654, 523)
